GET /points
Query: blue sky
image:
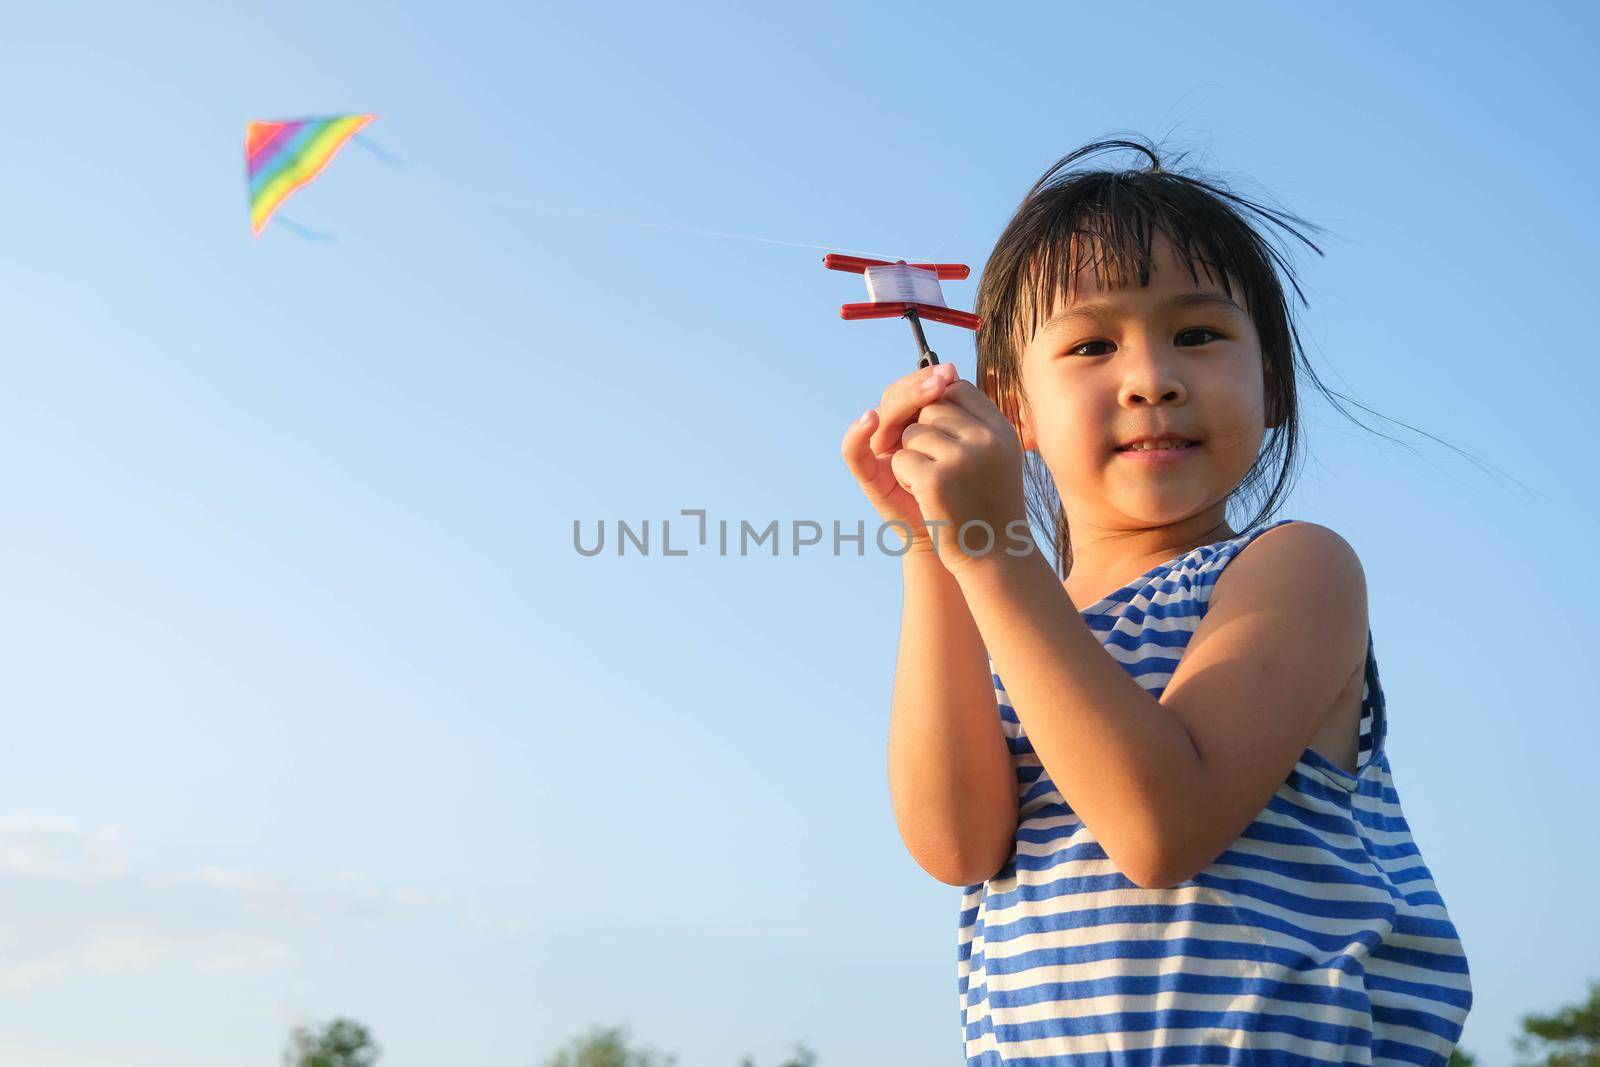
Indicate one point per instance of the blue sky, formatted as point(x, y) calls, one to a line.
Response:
point(312, 708)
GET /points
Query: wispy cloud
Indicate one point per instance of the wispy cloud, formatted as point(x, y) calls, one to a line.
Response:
point(77, 899)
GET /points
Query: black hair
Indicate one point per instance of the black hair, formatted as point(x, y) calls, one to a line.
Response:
point(1109, 217)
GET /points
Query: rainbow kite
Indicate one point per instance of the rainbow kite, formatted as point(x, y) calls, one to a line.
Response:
point(280, 157)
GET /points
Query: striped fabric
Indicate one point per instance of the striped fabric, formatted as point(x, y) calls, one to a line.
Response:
point(1317, 938)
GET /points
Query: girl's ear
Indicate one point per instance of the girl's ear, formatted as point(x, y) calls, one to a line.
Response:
point(1024, 430)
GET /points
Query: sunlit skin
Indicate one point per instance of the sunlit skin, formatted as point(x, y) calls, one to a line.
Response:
point(1118, 362)
point(1165, 785)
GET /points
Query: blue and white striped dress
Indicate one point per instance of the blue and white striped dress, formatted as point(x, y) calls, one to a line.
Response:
point(1318, 937)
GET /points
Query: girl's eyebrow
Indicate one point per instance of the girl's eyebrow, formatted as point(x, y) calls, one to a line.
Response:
point(1215, 301)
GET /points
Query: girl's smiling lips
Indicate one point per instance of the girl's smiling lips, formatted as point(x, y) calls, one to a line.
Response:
point(1158, 457)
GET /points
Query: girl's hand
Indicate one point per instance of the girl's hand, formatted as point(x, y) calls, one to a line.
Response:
point(871, 442)
point(961, 461)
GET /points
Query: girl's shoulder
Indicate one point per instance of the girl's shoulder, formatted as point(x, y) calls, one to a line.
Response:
point(1290, 559)
point(1297, 536)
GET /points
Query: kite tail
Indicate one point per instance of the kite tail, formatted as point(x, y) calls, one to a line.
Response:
point(303, 232)
point(376, 149)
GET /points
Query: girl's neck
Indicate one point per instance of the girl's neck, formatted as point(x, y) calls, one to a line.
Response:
point(1104, 559)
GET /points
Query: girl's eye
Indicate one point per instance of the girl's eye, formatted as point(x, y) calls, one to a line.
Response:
point(1078, 350)
point(1200, 329)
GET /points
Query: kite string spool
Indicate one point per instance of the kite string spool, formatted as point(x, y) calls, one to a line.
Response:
point(900, 283)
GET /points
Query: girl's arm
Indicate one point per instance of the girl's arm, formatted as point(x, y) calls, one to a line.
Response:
point(950, 773)
point(1167, 785)
point(950, 776)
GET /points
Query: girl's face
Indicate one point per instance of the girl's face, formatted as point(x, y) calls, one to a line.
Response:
point(1118, 364)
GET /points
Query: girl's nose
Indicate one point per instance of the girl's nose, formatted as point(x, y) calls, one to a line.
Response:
point(1151, 378)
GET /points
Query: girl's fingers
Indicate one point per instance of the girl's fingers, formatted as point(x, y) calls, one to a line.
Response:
point(897, 426)
point(972, 400)
point(855, 447)
point(903, 399)
point(934, 442)
point(950, 419)
point(908, 466)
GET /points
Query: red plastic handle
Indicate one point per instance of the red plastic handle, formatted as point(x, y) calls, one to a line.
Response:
point(965, 319)
point(856, 265)
point(872, 311)
point(895, 309)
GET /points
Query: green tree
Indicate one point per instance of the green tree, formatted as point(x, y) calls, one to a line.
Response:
point(1569, 1038)
point(803, 1057)
point(606, 1046)
point(340, 1043)
point(1460, 1057)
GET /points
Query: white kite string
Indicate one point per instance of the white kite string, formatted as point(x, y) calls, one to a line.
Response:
point(573, 213)
point(691, 229)
point(903, 284)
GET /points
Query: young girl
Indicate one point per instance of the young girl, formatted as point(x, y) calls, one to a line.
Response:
point(1175, 825)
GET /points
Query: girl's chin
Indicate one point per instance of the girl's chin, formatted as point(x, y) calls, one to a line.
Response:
point(1156, 499)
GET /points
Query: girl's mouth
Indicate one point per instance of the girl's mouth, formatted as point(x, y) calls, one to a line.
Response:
point(1159, 457)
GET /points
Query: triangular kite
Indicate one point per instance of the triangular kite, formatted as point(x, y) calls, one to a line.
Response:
point(280, 157)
